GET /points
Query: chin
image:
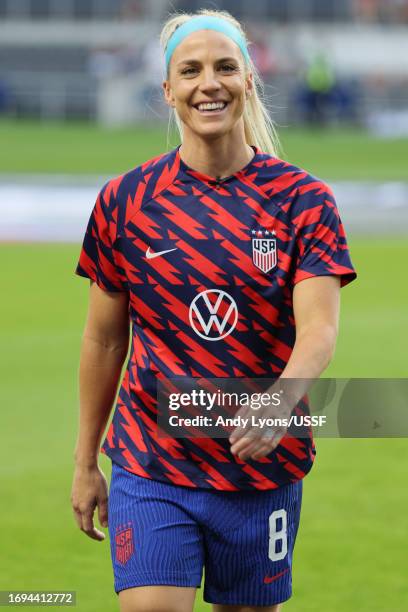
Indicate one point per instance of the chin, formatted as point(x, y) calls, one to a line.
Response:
point(211, 132)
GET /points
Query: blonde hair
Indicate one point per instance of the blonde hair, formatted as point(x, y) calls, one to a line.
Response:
point(259, 128)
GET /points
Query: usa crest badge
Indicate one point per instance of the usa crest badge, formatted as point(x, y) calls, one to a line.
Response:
point(124, 545)
point(264, 250)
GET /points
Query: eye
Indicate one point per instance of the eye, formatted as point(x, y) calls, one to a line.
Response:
point(228, 67)
point(190, 70)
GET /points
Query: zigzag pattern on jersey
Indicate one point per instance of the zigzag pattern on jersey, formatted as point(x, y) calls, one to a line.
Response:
point(165, 205)
point(186, 233)
point(134, 437)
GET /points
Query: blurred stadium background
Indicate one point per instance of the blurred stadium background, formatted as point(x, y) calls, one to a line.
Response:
point(80, 101)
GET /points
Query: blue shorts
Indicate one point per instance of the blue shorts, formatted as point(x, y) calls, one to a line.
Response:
point(164, 534)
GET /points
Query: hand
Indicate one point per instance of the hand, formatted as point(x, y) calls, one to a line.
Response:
point(90, 490)
point(249, 444)
point(255, 438)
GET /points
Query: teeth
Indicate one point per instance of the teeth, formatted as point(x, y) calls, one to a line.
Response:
point(211, 106)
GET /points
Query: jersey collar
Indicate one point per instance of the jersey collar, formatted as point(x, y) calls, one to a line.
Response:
point(211, 180)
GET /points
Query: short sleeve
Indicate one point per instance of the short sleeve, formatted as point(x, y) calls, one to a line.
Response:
point(97, 260)
point(321, 239)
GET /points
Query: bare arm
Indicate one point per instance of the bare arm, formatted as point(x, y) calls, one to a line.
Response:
point(316, 306)
point(104, 348)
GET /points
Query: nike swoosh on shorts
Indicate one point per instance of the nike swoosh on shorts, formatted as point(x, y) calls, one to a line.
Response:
point(269, 579)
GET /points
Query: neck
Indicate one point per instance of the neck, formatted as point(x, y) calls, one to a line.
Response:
point(218, 158)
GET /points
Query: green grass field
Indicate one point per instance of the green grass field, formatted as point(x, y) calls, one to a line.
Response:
point(352, 546)
point(83, 148)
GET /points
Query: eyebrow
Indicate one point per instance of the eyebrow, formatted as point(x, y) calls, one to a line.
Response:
point(218, 61)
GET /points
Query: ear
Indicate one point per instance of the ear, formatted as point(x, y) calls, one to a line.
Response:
point(249, 85)
point(168, 94)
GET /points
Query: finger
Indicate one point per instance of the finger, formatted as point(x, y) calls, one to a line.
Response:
point(242, 440)
point(242, 444)
point(89, 528)
point(263, 450)
point(253, 447)
point(78, 518)
point(246, 452)
point(237, 434)
point(268, 445)
point(250, 414)
point(103, 512)
point(263, 445)
point(240, 431)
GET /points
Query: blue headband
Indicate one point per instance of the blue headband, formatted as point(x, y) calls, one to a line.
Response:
point(205, 22)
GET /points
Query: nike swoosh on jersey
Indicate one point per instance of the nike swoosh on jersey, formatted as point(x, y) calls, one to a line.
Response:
point(150, 255)
point(269, 579)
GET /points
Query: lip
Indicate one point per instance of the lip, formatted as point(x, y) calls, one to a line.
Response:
point(211, 112)
point(211, 102)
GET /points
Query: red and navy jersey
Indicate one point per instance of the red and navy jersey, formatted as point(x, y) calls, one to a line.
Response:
point(209, 267)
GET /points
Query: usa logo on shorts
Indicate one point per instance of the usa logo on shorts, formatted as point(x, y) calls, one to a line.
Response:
point(264, 251)
point(124, 543)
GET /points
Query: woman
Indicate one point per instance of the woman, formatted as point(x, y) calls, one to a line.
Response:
point(228, 262)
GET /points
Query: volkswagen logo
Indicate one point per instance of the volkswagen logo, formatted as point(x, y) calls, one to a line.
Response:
point(213, 314)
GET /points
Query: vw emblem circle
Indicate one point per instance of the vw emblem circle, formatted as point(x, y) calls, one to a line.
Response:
point(221, 314)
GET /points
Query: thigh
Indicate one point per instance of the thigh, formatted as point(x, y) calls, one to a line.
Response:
point(154, 540)
point(249, 556)
point(157, 599)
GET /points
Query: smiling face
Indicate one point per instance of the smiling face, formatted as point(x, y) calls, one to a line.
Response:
point(208, 85)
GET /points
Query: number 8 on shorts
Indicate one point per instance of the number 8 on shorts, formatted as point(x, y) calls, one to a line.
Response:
point(278, 533)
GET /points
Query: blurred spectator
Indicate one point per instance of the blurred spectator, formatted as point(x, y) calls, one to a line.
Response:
point(132, 9)
point(366, 10)
point(319, 85)
point(397, 11)
point(262, 55)
point(381, 11)
point(321, 98)
point(5, 97)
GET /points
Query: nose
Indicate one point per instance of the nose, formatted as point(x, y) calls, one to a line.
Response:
point(209, 81)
